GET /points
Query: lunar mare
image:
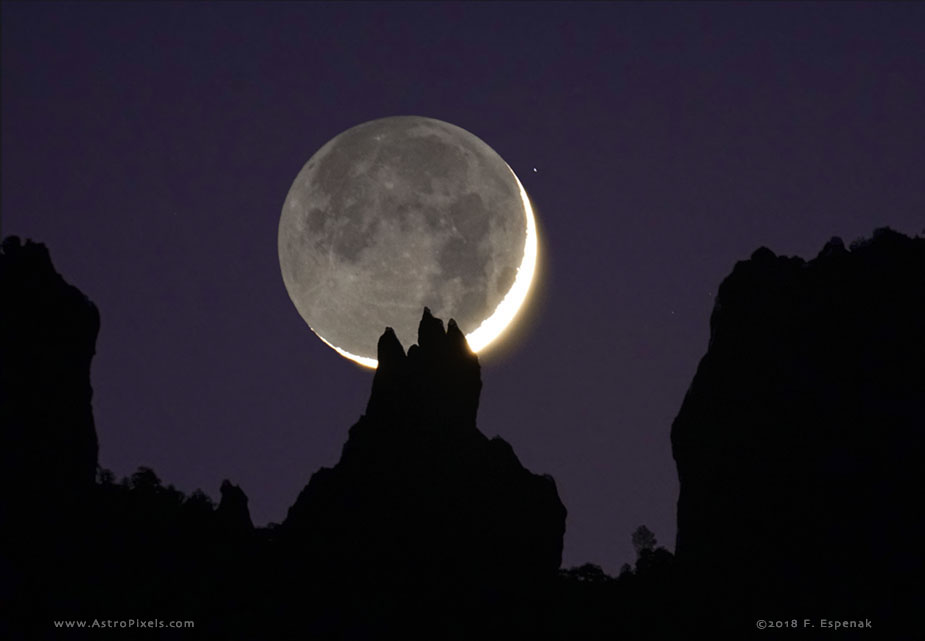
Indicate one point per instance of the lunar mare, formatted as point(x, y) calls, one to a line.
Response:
point(399, 214)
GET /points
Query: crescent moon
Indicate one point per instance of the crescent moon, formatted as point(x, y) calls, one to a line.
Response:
point(400, 213)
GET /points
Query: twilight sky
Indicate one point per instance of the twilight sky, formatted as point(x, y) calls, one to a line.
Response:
point(151, 147)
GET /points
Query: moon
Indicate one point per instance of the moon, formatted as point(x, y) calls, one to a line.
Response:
point(401, 213)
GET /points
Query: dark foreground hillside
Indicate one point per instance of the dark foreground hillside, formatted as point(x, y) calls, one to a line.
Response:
point(796, 447)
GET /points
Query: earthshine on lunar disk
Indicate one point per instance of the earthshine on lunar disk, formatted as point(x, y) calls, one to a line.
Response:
point(399, 214)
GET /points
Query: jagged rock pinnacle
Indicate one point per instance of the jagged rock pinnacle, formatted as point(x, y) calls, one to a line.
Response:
point(436, 490)
point(439, 380)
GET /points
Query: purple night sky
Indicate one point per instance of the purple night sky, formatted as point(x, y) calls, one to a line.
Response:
point(151, 148)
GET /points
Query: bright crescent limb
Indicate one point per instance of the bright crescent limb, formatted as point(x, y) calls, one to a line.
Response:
point(507, 309)
point(494, 325)
point(362, 360)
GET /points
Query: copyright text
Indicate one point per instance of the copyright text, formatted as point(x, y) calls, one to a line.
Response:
point(830, 624)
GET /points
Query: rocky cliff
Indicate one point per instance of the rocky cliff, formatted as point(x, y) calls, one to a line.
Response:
point(48, 331)
point(420, 494)
point(799, 442)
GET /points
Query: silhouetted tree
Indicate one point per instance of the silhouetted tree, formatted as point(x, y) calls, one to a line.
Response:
point(587, 573)
point(198, 497)
point(643, 540)
point(105, 476)
point(145, 479)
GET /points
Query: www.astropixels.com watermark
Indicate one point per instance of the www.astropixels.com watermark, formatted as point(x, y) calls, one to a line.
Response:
point(822, 624)
point(123, 624)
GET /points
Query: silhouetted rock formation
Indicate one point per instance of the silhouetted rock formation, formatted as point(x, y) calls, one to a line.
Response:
point(48, 445)
point(797, 446)
point(424, 524)
point(421, 501)
point(799, 442)
point(48, 332)
point(72, 547)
